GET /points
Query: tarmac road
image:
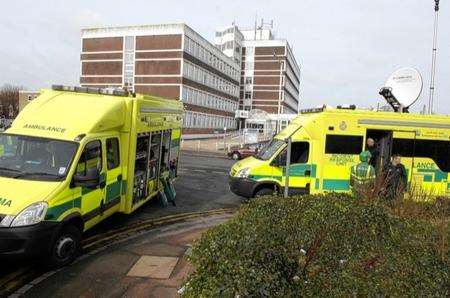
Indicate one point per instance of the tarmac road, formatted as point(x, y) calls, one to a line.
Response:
point(202, 185)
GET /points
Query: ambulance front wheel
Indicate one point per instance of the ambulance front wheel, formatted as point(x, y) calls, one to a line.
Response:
point(264, 192)
point(66, 246)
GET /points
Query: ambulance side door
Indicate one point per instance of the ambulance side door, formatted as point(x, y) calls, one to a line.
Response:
point(90, 162)
point(300, 169)
point(114, 183)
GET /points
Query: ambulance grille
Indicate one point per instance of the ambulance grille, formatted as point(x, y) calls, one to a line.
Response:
point(233, 172)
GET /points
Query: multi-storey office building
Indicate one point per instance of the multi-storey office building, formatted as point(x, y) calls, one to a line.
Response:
point(171, 61)
point(229, 41)
point(270, 74)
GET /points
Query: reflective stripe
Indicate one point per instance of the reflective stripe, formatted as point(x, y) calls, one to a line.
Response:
point(404, 123)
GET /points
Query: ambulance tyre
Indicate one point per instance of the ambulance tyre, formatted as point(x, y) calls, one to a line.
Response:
point(65, 248)
point(265, 191)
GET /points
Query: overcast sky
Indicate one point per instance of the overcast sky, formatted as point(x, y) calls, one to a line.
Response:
point(346, 48)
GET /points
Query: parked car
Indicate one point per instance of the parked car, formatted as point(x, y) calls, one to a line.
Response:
point(238, 153)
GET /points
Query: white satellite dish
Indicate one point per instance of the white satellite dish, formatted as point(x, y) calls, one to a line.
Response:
point(405, 86)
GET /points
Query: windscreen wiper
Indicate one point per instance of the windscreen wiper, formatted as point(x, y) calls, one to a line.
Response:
point(24, 174)
point(8, 169)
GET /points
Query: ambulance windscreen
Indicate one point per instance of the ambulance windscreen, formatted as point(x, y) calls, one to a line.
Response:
point(269, 149)
point(33, 158)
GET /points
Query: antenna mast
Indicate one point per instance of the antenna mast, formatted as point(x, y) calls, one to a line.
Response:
point(433, 59)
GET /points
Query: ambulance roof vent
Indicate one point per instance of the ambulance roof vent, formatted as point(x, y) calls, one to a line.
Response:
point(93, 90)
point(402, 88)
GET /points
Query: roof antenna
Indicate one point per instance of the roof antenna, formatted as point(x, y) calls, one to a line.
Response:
point(433, 59)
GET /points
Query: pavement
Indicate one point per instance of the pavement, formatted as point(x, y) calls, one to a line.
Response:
point(150, 264)
point(202, 185)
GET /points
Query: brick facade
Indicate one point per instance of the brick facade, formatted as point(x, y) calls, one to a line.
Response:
point(150, 60)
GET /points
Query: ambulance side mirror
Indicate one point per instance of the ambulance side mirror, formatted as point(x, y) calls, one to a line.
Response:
point(90, 180)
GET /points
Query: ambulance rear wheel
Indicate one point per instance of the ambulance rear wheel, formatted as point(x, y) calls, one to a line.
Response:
point(66, 247)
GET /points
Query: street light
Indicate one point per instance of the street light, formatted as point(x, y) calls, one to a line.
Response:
point(433, 57)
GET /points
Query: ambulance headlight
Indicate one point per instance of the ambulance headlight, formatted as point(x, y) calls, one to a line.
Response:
point(31, 215)
point(243, 173)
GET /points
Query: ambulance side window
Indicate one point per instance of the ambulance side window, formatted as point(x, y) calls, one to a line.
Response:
point(343, 144)
point(91, 159)
point(299, 153)
point(112, 153)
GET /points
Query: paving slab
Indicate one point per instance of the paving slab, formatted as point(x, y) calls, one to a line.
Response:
point(153, 267)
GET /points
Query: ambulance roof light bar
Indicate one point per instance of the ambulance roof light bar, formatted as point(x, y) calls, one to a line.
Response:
point(93, 90)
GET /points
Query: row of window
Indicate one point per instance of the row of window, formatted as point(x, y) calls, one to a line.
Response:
point(221, 33)
point(128, 61)
point(435, 150)
point(204, 99)
point(200, 120)
point(201, 53)
point(202, 76)
point(227, 45)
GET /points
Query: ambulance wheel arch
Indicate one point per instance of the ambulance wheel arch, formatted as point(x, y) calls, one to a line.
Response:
point(265, 188)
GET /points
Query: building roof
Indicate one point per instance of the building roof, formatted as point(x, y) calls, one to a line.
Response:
point(158, 29)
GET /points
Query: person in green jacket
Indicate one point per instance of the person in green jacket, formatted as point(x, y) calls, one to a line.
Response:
point(363, 174)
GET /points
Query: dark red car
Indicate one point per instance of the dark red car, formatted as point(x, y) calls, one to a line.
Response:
point(237, 153)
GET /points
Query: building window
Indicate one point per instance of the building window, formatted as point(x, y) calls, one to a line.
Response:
point(248, 80)
point(248, 95)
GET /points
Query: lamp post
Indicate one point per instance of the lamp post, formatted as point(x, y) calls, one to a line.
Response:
point(433, 57)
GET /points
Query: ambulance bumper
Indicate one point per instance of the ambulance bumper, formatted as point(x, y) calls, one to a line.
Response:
point(241, 186)
point(27, 241)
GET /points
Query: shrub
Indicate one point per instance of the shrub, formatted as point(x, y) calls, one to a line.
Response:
point(328, 245)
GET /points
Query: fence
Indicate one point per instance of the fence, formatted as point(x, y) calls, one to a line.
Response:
point(225, 142)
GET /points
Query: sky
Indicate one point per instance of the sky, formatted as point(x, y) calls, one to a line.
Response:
point(346, 48)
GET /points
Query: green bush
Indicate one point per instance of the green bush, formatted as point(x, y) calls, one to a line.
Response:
point(330, 245)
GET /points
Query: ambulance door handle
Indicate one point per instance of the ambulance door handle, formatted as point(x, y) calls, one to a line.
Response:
point(119, 178)
point(307, 173)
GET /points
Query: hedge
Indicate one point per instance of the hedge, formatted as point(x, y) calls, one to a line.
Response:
point(327, 245)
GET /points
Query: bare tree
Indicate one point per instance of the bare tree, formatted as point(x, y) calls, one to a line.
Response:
point(9, 101)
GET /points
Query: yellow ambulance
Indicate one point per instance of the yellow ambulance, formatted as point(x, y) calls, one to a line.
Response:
point(75, 156)
point(326, 143)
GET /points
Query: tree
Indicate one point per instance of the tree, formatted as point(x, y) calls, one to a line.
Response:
point(9, 101)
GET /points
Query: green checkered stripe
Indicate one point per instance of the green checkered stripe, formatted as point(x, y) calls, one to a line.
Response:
point(113, 191)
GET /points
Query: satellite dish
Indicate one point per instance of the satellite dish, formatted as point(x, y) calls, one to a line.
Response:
point(403, 88)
